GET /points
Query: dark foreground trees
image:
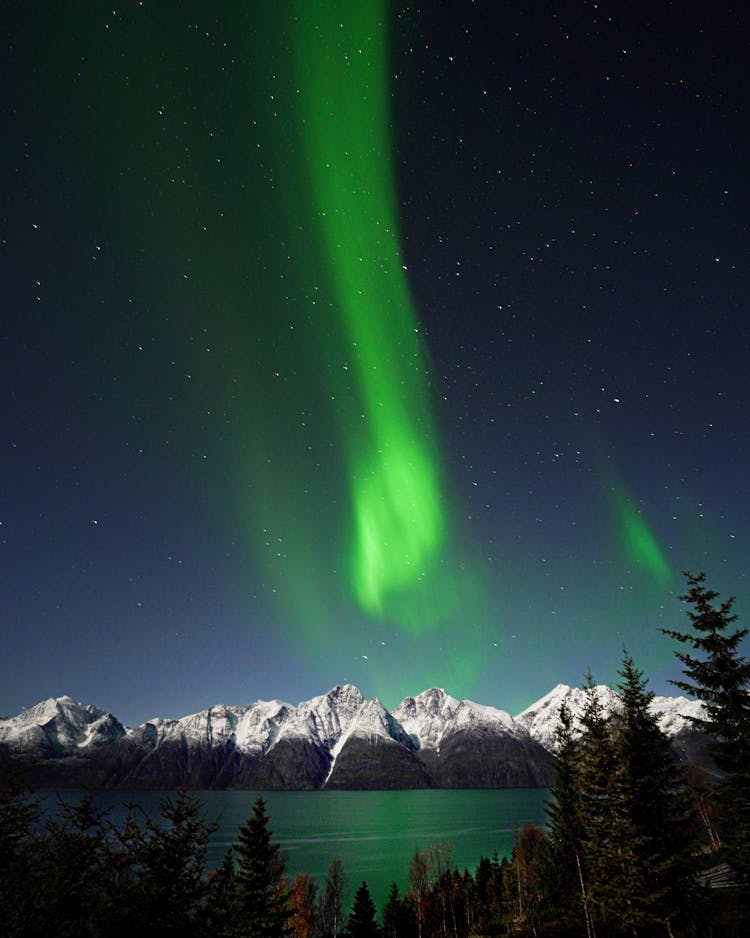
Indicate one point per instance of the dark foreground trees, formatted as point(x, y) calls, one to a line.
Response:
point(19, 858)
point(564, 869)
point(632, 842)
point(79, 875)
point(259, 907)
point(618, 857)
point(718, 675)
point(362, 919)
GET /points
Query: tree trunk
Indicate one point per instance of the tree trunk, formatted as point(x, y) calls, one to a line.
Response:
point(590, 933)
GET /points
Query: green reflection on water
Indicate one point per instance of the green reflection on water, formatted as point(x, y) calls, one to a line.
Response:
point(373, 833)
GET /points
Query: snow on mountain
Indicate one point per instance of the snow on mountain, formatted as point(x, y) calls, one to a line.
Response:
point(674, 713)
point(324, 719)
point(433, 715)
point(258, 725)
point(58, 725)
point(370, 722)
point(471, 715)
point(372, 719)
point(541, 718)
point(425, 716)
point(197, 728)
point(252, 728)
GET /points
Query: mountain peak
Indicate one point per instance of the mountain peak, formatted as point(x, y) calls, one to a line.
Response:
point(58, 708)
point(345, 692)
point(424, 717)
point(339, 738)
point(542, 718)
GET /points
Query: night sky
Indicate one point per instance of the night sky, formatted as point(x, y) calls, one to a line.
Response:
point(398, 345)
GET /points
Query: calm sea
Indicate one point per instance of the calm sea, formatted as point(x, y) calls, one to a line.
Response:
point(373, 833)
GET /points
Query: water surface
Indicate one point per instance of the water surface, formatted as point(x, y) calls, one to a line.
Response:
point(373, 833)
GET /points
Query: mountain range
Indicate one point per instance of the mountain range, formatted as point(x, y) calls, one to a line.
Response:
point(338, 740)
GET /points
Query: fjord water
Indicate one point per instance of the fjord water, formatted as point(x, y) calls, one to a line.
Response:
point(373, 833)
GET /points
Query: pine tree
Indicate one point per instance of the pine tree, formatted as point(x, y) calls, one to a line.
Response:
point(654, 801)
point(125, 906)
point(220, 885)
point(398, 921)
point(171, 890)
point(718, 675)
point(75, 881)
point(488, 895)
point(362, 922)
point(260, 906)
point(607, 843)
point(564, 874)
point(20, 867)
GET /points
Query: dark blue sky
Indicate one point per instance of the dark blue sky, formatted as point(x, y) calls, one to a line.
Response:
point(572, 209)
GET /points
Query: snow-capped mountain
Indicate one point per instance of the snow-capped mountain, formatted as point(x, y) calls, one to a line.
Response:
point(426, 716)
point(336, 740)
point(325, 719)
point(433, 715)
point(541, 718)
point(675, 713)
point(253, 728)
point(59, 726)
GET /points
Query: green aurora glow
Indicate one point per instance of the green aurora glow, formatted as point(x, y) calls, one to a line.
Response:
point(393, 464)
point(361, 377)
point(638, 542)
point(256, 225)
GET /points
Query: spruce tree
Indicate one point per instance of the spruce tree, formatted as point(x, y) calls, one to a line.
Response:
point(171, 891)
point(719, 676)
point(607, 845)
point(362, 922)
point(21, 867)
point(564, 874)
point(398, 920)
point(260, 906)
point(76, 873)
point(653, 799)
point(220, 885)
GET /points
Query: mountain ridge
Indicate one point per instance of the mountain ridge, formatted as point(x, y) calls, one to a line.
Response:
point(334, 740)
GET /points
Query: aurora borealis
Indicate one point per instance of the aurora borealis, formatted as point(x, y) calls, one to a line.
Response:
point(367, 342)
point(392, 461)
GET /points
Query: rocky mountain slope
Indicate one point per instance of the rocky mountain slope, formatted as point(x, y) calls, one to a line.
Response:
point(338, 740)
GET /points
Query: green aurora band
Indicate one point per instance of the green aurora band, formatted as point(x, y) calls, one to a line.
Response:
point(638, 542)
point(393, 464)
point(256, 216)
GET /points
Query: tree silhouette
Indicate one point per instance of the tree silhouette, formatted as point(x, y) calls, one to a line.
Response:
point(718, 675)
point(260, 896)
point(654, 800)
point(330, 901)
point(362, 922)
point(565, 876)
